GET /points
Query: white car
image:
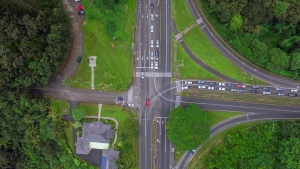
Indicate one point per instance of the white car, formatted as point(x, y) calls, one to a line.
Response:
point(152, 17)
point(202, 87)
point(151, 55)
point(294, 90)
point(184, 87)
point(151, 28)
point(187, 82)
point(151, 65)
point(221, 84)
point(221, 88)
point(152, 43)
point(143, 75)
point(211, 88)
point(264, 92)
point(157, 43)
point(156, 65)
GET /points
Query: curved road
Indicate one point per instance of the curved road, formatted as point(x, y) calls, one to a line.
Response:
point(237, 60)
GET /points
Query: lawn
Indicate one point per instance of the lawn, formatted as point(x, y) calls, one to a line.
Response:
point(188, 69)
point(182, 16)
point(216, 117)
point(198, 43)
point(63, 107)
point(196, 162)
point(114, 57)
point(116, 112)
point(69, 135)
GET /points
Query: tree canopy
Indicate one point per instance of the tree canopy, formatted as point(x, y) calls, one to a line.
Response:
point(78, 113)
point(188, 128)
point(266, 32)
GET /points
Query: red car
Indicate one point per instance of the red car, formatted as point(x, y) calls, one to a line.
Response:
point(148, 103)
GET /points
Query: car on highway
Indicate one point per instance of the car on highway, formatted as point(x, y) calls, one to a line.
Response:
point(148, 103)
point(156, 53)
point(202, 87)
point(234, 90)
point(242, 90)
point(294, 90)
point(184, 87)
point(201, 81)
point(151, 6)
point(255, 87)
point(151, 55)
point(79, 59)
point(192, 152)
point(280, 94)
point(266, 92)
point(292, 95)
point(143, 75)
point(222, 88)
point(240, 85)
point(77, 0)
point(211, 88)
point(152, 43)
point(266, 88)
point(187, 82)
point(253, 91)
point(152, 17)
point(151, 28)
point(212, 83)
point(157, 43)
point(151, 64)
point(280, 88)
point(221, 84)
point(230, 85)
point(156, 65)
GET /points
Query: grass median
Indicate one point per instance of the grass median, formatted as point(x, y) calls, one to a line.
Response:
point(114, 57)
point(196, 162)
point(216, 117)
point(181, 14)
point(199, 44)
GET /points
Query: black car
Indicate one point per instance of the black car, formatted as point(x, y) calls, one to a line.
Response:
point(152, 7)
point(253, 91)
point(120, 98)
point(266, 88)
point(156, 53)
point(292, 94)
point(212, 83)
point(79, 59)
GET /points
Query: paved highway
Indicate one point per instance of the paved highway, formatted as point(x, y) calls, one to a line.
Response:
point(237, 60)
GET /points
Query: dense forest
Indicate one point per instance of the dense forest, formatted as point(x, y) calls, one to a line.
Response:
point(34, 37)
point(266, 32)
point(270, 145)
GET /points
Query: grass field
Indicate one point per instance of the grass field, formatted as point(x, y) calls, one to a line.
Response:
point(63, 107)
point(116, 112)
point(199, 44)
point(188, 69)
point(243, 97)
point(182, 16)
point(196, 162)
point(216, 117)
point(114, 57)
point(69, 135)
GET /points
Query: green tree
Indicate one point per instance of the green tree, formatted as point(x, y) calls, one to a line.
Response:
point(188, 128)
point(280, 8)
point(295, 61)
point(290, 152)
point(78, 113)
point(279, 58)
point(236, 22)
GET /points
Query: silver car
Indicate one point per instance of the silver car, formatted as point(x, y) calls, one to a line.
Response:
point(157, 43)
point(152, 43)
point(151, 28)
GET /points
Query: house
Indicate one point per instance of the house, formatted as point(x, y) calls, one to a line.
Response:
point(95, 135)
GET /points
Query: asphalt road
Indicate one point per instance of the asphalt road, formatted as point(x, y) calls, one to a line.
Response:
point(237, 60)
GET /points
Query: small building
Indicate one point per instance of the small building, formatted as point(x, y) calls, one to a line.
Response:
point(95, 135)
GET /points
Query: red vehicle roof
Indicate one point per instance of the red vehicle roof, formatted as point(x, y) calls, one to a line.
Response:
point(148, 103)
point(80, 7)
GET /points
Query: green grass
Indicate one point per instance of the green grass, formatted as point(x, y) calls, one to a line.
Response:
point(199, 44)
point(196, 162)
point(181, 14)
point(69, 135)
point(188, 69)
point(114, 63)
point(63, 107)
point(216, 117)
point(116, 112)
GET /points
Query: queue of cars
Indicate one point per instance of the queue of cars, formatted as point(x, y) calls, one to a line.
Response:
point(239, 87)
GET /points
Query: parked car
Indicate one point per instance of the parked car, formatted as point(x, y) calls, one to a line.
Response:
point(253, 91)
point(79, 59)
point(202, 87)
point(280, 94)
point(234, 90)
point(230, 85)
point(266, 92)
point(294, 90)
point(221, 84)
point(201, 81)
point(120, 98)
point(211, 88)
point(184, 88)
point(292, 95)
point(212, 83)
